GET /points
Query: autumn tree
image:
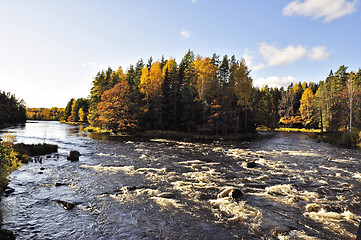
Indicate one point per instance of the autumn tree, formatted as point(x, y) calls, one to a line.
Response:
point(116, 112)
point(306, 108)
point(205, 75)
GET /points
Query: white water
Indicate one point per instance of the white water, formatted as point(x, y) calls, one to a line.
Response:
point(162, 189)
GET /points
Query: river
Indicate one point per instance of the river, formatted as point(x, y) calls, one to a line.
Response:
point(293, 188)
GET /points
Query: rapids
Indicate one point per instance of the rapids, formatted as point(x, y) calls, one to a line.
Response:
point(295, 188)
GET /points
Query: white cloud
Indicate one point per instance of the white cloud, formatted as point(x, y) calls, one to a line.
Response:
point(328, 9)
point(98, 65)
point(275, 81)
point(185, 34)
point(248, 58)
point(277, 56)
point(318, 53)
point(194, 1)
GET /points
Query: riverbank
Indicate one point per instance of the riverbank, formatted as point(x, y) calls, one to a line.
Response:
point(344, 139)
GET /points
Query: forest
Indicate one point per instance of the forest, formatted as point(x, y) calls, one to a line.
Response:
point(12, 109)
point(202, 95)
point(214, 96)
point(45, 114)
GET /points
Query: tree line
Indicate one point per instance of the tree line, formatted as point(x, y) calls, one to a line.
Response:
point(214, 95)
point(12, 109)
point(200, 94)
point(331, 105)
point(47, 114)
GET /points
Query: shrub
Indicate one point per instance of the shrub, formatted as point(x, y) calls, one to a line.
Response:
point(8, 160)
point(349, 139)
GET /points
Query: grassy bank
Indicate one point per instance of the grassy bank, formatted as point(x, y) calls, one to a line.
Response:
point(304, 130)
point(180, 136)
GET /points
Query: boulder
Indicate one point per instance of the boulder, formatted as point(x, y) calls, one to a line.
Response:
point(73, 155)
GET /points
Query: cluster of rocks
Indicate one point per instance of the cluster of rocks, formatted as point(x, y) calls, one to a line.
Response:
point(72, 156)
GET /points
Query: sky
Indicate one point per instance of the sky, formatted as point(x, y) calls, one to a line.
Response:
point(51, 50)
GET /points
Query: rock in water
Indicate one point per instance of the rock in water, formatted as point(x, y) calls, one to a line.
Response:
point(73, 155)
point(66, 205)
point(251, 164)
point(231, 192)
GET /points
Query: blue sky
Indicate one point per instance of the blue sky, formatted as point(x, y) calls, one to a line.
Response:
point(50, 50)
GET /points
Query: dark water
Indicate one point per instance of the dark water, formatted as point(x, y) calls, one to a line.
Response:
point(160, 189)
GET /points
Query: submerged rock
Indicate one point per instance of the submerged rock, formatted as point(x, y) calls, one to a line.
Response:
point(73, 155)
point(231, 192)
point(66, 205)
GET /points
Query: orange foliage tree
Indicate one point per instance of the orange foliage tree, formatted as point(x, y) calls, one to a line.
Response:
point(116, 110)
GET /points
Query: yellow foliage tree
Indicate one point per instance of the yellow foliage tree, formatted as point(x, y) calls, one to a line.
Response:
point(167, 69)
point(205, 73)
point(82, 115)
point(306, 108)
point(151, 80)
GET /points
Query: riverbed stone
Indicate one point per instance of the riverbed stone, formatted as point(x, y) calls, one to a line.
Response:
point(73, 155)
